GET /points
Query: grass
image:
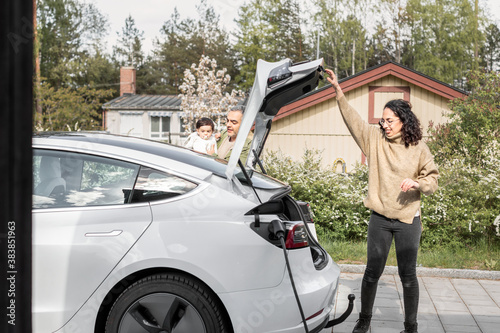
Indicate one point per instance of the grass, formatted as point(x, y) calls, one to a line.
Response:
point(482, 256)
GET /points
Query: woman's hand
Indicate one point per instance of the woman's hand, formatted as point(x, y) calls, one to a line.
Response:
point(332, 78)
point(408, 184)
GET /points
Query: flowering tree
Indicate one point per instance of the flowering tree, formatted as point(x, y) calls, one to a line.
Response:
point(203, 93)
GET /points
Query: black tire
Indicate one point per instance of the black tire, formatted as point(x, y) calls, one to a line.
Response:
point(166, 303)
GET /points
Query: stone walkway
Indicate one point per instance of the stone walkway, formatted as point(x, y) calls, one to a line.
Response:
point(447, 305)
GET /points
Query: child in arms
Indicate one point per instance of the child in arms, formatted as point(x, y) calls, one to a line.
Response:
point(203, 139)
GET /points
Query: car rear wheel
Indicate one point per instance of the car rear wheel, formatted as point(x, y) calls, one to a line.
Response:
point(166, 303)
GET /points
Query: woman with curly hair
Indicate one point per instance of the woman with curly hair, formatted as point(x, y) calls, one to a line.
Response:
point(400, 168)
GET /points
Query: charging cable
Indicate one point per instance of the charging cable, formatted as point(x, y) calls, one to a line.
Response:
point(279, 232)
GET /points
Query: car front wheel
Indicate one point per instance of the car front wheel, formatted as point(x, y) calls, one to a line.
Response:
point(170, 303)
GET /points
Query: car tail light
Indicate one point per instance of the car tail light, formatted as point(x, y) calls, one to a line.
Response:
point(296, 236)
point(307, 211)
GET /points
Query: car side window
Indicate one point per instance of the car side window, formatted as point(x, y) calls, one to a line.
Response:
point(155, 185)
point(65, 179)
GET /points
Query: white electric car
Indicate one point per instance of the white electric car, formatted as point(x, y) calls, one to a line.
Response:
point(132, 235)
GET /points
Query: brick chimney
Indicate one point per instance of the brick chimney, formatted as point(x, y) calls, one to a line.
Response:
point(127, 80)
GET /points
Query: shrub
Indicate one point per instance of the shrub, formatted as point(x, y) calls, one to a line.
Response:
point(461, 212)
point(464, 208)
point(336, 199)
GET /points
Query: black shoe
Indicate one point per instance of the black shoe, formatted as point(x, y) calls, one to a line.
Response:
point(410, 328)
point(363, 324)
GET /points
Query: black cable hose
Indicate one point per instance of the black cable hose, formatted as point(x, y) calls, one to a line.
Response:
point(282, 239)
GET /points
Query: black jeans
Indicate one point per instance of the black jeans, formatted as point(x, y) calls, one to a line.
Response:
point(381, 231)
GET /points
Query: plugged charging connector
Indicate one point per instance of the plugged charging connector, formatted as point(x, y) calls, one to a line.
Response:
point(277, 229)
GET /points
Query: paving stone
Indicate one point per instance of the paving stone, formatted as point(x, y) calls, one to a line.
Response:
point(489, 327)
point(478, 300)
point(495, 295)
point(485, 310)
point(387, 302)
point(446, 305)
point(488, 319)
point(429, 326)
point(386, 326)
point(463, 318)
point(460, 328)
point(449, 304)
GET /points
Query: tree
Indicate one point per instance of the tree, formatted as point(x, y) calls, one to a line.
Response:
point(353, 39)
point(380, 46)
point(269, 30)
point(441, 41)
point(473, 122)
point(71, 109)
point(99, 72)
point(250, 44)
point(284, 36)
point(327, 16)
point(491, 49)
point(128, 52)
point(396, 12)
point(75, 74)
point(203, 93)
point(343, 39)
point(60, 39)
point(467, 152)
point(182, 42)
point(69, 31)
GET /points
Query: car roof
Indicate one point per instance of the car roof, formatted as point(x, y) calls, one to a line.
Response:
point(161, 149)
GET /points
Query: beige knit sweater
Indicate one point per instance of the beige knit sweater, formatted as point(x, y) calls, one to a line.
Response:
point(390, 162)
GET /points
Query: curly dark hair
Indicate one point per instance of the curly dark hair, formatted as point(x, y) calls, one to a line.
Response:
point(411, 132)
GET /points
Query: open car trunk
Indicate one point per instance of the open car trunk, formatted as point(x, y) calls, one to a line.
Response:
point(276, 84)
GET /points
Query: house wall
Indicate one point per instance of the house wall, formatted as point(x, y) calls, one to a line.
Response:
point(321, 126)
point(142, 125)
point(112, 121)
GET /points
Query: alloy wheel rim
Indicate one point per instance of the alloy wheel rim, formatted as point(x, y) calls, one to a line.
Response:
point(161, 313)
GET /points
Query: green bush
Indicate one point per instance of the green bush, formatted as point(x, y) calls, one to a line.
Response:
point(467, 152)
point(467, 203)
point(336, 199)
point(461, 212)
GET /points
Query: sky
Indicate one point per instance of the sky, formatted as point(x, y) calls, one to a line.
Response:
point(149, 15)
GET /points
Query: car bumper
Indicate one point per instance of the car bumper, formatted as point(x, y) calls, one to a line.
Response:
point(276, 310)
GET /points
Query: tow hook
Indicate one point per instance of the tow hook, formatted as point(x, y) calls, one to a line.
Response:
point(346, 314)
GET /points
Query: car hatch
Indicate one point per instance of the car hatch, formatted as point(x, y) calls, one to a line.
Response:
point(276, 84)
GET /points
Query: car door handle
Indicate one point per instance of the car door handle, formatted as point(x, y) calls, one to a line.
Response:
point(112, 233)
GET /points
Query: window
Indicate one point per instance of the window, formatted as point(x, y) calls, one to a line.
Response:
point(63, 179)
point(154, 185)
point(379, 96)
point(160, 127)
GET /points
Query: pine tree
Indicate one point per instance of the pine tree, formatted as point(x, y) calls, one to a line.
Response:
point(181, 44)
point(129, 52)
point(491, 49)
point(269, 30)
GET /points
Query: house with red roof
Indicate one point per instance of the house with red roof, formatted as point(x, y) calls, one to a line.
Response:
point(314, 121)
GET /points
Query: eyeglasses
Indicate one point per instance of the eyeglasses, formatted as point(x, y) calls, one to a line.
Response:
point(387, 122)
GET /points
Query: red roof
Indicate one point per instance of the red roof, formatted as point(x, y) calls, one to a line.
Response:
point(370, 75)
